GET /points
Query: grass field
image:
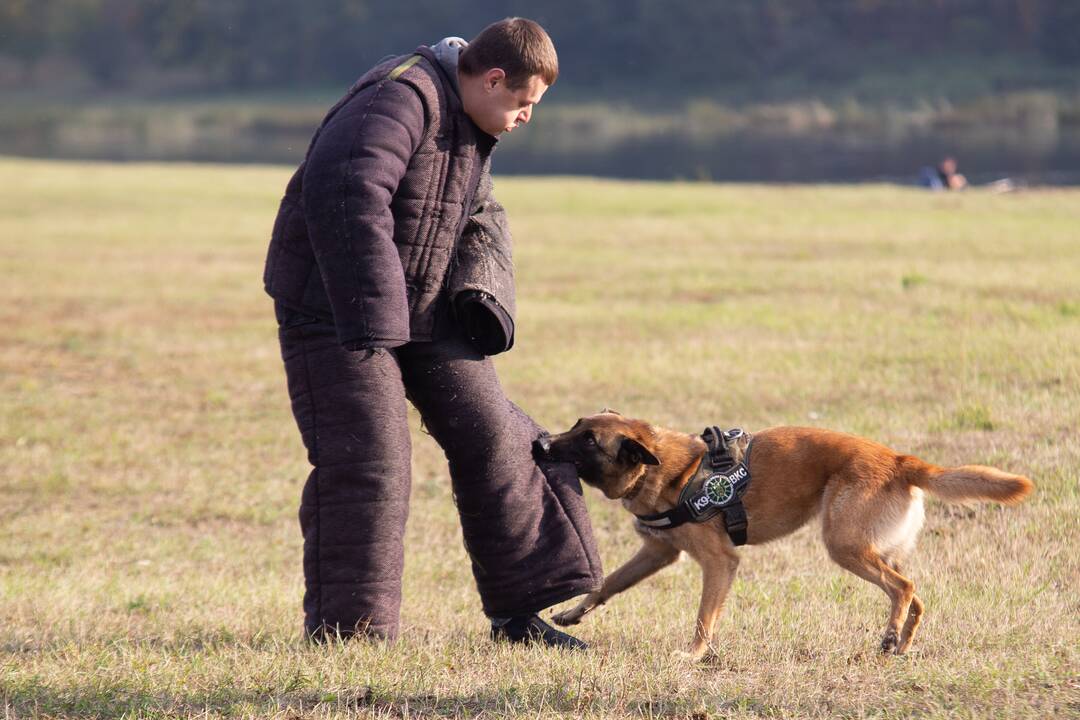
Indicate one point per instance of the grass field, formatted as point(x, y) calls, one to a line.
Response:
point(150, 470)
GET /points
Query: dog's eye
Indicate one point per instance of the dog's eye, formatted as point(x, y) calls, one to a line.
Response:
point(590, 439)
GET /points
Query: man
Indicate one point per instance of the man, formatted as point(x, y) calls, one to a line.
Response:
point(942, 177)
point(949, 177)
point(390, 269)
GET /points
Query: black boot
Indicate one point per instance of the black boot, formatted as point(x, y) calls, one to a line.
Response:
point(531, 629)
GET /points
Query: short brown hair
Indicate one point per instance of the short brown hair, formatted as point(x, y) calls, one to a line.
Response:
point(520, 47)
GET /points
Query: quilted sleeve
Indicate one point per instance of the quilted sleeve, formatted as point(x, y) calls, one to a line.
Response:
point(351, 175)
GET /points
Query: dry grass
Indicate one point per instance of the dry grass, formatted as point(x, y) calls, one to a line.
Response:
point(149, 469)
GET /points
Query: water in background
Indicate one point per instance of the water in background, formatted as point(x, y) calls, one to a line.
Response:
point(1040, 155)
point(820, 157)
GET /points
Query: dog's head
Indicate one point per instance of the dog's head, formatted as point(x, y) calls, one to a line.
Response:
point(609, 451)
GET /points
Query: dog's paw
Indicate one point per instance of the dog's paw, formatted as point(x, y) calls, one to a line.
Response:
point(890, 643)
point(695, 653)
point(568, 617)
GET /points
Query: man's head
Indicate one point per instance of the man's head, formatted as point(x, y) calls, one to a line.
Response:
point(504, 72)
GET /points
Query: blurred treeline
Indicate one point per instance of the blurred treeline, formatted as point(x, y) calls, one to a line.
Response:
point(732, 48)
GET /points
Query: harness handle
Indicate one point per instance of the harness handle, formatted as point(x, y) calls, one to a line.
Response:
point(719, 444)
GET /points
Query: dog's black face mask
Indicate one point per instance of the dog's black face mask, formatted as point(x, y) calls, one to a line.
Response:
point(604, 456)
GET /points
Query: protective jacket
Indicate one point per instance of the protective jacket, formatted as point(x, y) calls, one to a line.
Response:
point(391, 214)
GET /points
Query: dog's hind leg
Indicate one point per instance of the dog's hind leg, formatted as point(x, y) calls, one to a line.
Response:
point(869, 526)
point(914, 614)
point(653, 555)
point(914, 617)
point(868, 564)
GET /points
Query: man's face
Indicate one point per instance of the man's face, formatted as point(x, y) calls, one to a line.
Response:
point(495, 108)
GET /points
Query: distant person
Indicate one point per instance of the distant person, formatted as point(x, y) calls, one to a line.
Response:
point(943, 177)
point(390, 269)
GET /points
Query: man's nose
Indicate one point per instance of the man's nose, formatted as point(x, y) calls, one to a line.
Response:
point(525, 115)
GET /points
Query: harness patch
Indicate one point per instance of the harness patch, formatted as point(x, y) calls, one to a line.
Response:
point(720, 489)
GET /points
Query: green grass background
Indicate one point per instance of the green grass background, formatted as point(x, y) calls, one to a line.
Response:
point(150, 470)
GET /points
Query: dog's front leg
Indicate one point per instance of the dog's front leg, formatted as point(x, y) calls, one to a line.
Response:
point(718, 571)
point(653, 555)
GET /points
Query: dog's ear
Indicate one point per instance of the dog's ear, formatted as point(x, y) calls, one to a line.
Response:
point(634, 453)
point(609, 411)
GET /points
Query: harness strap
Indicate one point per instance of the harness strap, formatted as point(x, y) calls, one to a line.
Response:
point(673, 518)
point(735, 522)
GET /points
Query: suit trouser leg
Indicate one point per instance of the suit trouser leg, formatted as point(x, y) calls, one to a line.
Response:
point(351, 411)
point(525, 527)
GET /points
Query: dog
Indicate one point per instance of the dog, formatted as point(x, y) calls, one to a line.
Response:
point(870, 499)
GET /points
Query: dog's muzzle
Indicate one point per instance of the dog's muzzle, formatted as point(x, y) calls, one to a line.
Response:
point(542, 447)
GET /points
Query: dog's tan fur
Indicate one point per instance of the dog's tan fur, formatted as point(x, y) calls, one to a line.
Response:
point(870, 499)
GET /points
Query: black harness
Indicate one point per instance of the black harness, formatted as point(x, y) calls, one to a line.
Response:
point(723, 480)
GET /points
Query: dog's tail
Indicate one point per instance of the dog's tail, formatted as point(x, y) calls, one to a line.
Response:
point(967, 482)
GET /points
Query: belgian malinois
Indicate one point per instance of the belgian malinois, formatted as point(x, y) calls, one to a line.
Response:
point(870, 499)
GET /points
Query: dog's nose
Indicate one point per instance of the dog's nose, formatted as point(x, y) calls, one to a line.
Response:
point(542, 445)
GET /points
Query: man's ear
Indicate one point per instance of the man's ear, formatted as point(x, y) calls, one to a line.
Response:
point(609, 411)
point(492, 77)
point(632, 452)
